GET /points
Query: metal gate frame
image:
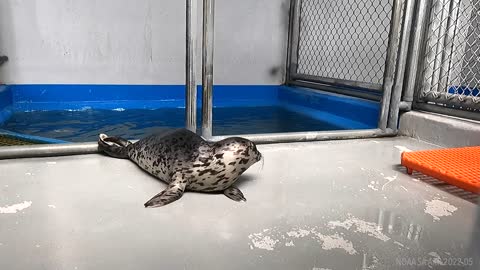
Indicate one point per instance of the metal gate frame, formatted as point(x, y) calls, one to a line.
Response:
point(360, 89)
point(444, 47)
point(389, 92)
point(389, 100)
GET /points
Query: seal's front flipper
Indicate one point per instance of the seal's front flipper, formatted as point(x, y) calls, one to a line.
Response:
point(173, 192)
point(234, 194)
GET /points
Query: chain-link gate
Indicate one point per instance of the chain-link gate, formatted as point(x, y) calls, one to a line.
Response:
point(342, 42)
point(451, 67)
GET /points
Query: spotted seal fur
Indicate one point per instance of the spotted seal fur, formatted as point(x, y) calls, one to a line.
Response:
point(187, 162)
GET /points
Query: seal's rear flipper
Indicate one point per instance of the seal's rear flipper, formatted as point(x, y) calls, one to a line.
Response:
point(113, 146)
point(234, 194)
point(173, 192)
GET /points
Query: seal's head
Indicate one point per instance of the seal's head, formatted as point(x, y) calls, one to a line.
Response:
point(238, 151)
point(113, 146)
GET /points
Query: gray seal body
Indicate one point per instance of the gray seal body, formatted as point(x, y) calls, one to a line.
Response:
point(187, 162)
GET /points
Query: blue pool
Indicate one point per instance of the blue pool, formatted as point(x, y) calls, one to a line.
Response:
point(78, 113)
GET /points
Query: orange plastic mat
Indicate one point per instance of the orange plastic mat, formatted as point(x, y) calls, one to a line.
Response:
point(457, 166)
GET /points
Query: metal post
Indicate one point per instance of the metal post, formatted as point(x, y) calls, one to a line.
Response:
point(48, 150)
point(416, 48)
point(207, 67)
point(401, 63)
point(432, 28)
point(313, 136)
point(291, 13)
point(389, 73)
point(190, 78)
point(448, 41)
point(440, 46)
point(423, 68)
point(66, 149)
point(293, 39)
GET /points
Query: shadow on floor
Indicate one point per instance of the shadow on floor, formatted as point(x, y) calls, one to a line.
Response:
point(244, 179)
point(453, 190)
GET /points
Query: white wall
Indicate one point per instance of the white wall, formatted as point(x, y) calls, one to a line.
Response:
point(137, 41)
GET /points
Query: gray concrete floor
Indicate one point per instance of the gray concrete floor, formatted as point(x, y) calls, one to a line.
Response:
point(324, 205)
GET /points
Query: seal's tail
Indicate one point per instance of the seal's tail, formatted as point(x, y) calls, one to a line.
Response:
point(113, 146)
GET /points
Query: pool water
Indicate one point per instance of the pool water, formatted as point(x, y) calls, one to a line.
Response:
point(78, 113)
point(85, 125)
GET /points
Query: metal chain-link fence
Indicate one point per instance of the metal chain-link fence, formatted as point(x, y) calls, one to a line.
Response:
point(344, 40)
point(451, 71)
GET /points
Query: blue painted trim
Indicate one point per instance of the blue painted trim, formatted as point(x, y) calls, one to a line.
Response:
point(97, 93)
point(464, 90)
point(78, 97)
point(99, 105)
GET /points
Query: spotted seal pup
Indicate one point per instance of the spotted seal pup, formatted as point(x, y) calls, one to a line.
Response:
point(186, 161)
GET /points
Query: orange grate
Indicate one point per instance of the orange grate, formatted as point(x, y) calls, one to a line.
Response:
point(457, 166)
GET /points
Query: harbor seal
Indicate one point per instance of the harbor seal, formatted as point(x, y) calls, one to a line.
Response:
point(187, 162)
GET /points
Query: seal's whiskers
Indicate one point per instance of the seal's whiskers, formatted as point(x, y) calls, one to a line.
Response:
point(263, 163)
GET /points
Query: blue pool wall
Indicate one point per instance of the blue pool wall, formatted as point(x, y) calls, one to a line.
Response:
point(6, 111)
point(346, 112)
point(6, 102)
point(78, 97)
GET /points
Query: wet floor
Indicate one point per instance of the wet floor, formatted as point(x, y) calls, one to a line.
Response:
point(324, 205)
